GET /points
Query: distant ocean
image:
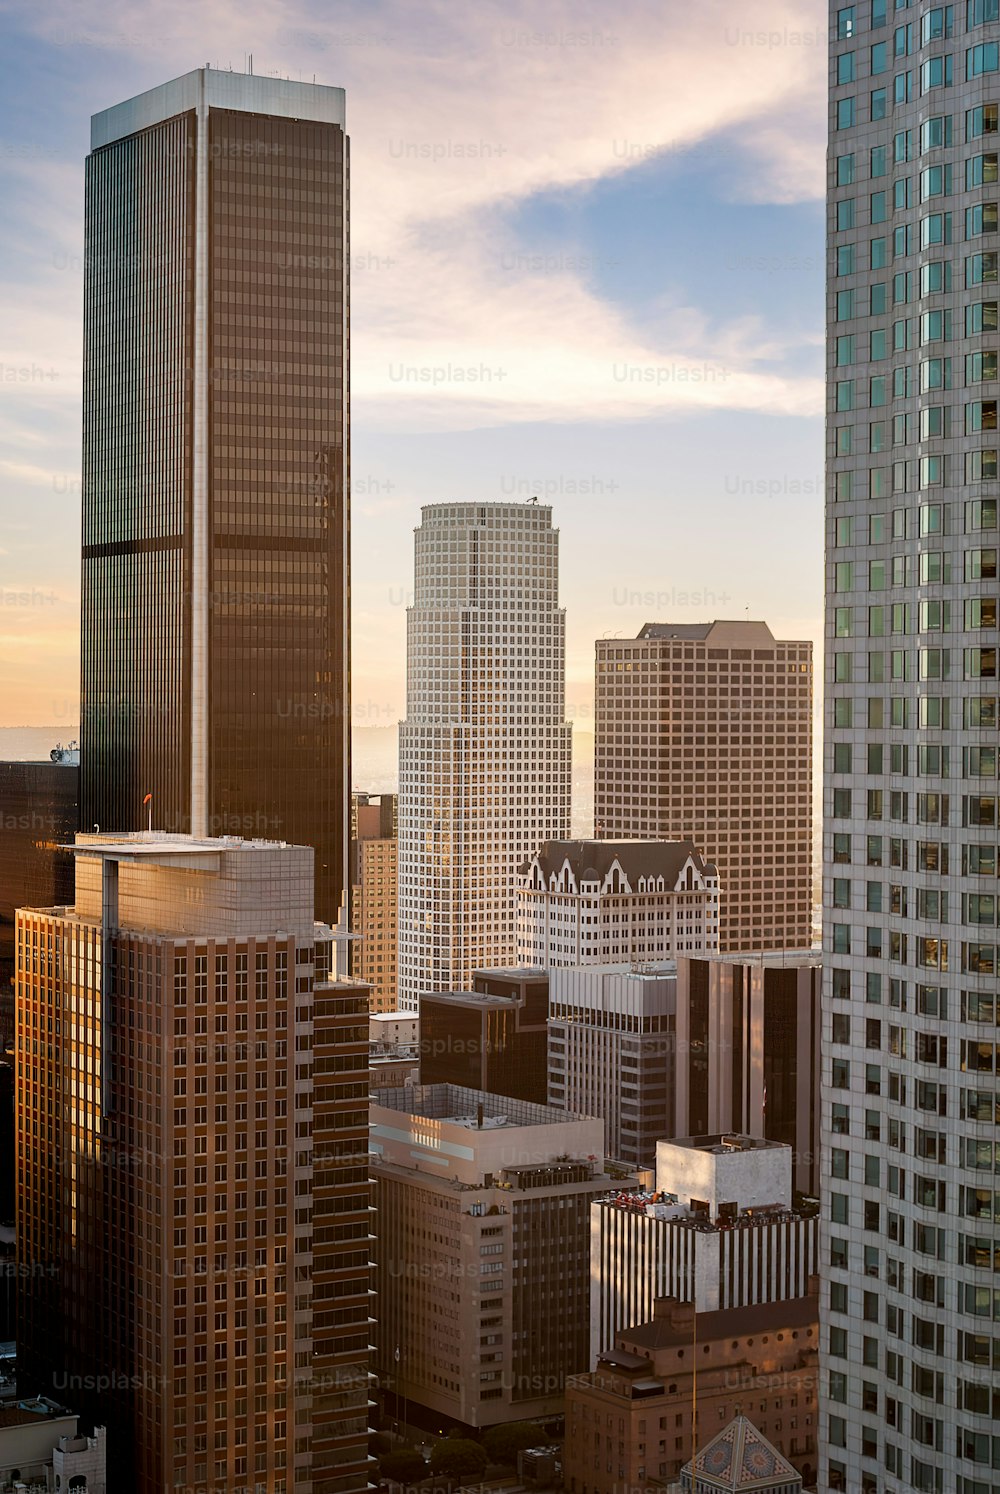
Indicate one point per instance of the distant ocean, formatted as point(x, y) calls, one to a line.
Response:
point(376, 767)
point(32, 744)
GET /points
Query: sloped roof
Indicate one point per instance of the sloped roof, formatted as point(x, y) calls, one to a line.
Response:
point(739, 1458)
point(695, 631)
point(724, 1322)
point(592, 860)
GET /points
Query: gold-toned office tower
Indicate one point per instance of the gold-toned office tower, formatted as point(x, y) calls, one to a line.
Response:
point(215, 649)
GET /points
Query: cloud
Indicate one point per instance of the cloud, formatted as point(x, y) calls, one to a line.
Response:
point(456, 123)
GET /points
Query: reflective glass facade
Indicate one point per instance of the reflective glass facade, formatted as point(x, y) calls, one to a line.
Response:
point(215, 416)
point(911, 1049)
point(38, 816)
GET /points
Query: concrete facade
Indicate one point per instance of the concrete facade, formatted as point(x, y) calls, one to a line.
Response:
point(39, 1444)
point(483, 1259)
point(611, 1053)
point(728, 1170)
point(718, 1229)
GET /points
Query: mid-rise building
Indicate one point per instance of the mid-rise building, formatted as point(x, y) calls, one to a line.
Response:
point(394, 1028)
point(374, 895)
point(483, 1251)
point(660, 1394)
point(910, 1043)
point(703, 732)
point(192, 1166)
point(494, 1037)
point(593, 902)
point(748, 1051)
point(611, 1053)
point(39, 814)
point(718, 1228)
point(215, 649)
point(393, 1049)
point(41, 1449)
point(484, 752)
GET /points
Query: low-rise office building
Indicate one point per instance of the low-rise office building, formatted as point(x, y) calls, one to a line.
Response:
point(42, 1451)
point(668, 1384)
point(483, 1251)
point(494, 1037)
point(718, 1229)
point(611, 1053)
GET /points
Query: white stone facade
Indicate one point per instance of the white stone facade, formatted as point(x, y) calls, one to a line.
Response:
point(484, 752)
point(650, 1245)
point(590, 903)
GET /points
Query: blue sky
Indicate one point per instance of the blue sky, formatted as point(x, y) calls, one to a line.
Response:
point(619, 217)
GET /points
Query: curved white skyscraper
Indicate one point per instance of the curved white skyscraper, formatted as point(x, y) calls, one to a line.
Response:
point(484, 752)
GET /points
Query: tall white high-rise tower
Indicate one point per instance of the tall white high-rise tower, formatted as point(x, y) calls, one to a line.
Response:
point(484, 752)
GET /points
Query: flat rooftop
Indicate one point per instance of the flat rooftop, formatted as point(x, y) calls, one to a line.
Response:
point(771, 959)
point(470, 998)
point(18, 1412)
point(797, 1313)
point(215, 88)
point(726, 1143)
point(453, 1104)
point(512, 972)
point(166, 843)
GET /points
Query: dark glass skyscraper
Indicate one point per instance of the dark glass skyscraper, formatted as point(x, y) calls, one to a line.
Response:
point(215, 659)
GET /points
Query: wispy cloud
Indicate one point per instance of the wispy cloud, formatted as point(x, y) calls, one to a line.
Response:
point(456, 122)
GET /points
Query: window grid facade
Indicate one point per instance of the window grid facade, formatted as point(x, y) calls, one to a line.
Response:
point(193, 1184)
point(911, 1231)
point(704, 733)
point(215, 648)
point(484, 752)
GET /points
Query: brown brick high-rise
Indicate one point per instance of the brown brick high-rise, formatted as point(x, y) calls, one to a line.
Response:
point(192, 1164)
point(703, 732)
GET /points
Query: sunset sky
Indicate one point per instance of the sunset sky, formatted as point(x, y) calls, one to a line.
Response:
point(587, 264)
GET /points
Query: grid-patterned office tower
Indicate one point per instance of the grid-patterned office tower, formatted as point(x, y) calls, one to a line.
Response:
point(374, 893)
point(703, 732)
point(192, 1131)
point(484, 752)
point(911, 1045)
point(215, 651)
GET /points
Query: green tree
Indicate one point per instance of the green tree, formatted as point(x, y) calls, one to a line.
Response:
point(405, 1466)
point(503, 1443)
point(458, 1457)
